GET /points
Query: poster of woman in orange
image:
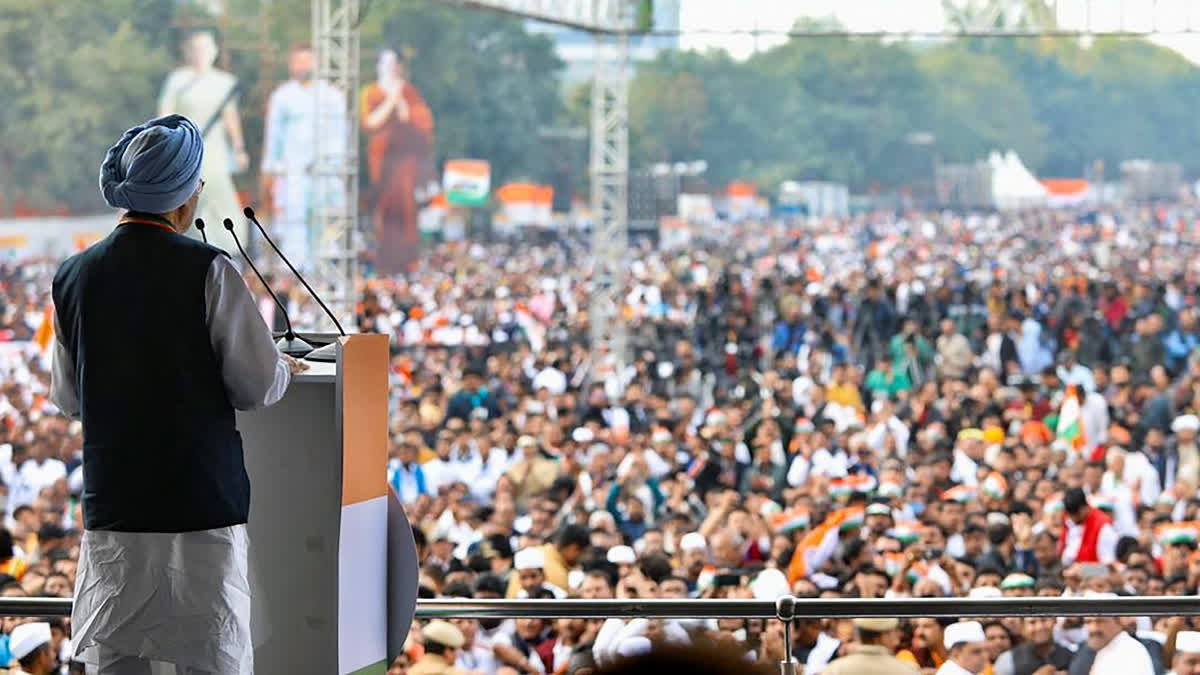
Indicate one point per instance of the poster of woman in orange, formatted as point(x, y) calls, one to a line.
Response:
point(399, 128)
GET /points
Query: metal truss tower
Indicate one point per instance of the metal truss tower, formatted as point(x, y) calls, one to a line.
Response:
point(611, 22)
point(610, 194)
point(336, 238)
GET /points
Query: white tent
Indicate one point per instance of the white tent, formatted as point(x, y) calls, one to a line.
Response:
point(1013, 186)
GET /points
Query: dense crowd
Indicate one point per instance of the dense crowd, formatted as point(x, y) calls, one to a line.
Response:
point(929, 405)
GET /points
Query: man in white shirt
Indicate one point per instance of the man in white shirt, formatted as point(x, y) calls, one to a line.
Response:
point(1117, 653)
point(967, 647)
point(40, 471)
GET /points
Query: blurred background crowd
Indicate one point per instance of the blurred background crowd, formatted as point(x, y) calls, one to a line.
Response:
point(923, 405)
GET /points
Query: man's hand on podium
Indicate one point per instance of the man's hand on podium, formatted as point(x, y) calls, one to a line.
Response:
point(295, 365)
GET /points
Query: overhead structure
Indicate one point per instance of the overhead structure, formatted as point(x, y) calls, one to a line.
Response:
point(610, 195)
point(774, 21)
point(336, 47)
point(610, 22)
point(335, 33)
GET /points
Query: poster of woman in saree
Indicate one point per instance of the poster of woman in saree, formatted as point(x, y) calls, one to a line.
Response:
point(208, 96)
point(399, 128)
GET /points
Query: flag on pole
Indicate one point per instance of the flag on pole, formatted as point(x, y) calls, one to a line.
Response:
point(821, 543)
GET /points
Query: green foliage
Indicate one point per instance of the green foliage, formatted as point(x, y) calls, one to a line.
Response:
point(77, 74)
point(74, 76)
point(847, 109)
point(491, 85)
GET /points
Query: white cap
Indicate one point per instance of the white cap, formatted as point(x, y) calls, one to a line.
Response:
point(583, 435)
point(599, 518)
point(621, 555)
point(693, 541)
point(770, 584)
point(27, 637)
point(530, 559)
point(1188, 642)
point(1185, 423)
point(958, 633)
point(985, 592)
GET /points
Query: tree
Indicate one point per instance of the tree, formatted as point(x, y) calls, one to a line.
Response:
point(73, 75)
point(979, 106)
point(491, 84)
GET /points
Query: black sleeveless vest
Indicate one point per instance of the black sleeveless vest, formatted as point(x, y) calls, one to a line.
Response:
point(161, 449)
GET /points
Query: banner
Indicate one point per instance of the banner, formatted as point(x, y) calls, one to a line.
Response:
point(467, 182)
point(526, 204)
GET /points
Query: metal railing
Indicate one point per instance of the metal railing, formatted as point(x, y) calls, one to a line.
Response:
point(785, 609)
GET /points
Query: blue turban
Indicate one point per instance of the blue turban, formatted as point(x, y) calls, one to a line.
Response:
point(155, 167)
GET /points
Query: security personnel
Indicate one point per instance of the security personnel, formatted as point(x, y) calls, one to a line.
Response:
point(442, 641)
point(872, 656)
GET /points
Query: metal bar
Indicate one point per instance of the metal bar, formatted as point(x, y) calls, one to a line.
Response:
point(749, 609)
point(763, 609)
point(925, 34)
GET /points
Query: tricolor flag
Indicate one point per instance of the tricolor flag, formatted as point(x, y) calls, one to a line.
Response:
point(891, 562)
point(844, 487)
point(1169, 534)
point(820, 543)
point(1070, 427)
point(994, 486)
point(960, 493)
point(467, 182)
point(891, 490)
point(792, 519)
point(907, 532)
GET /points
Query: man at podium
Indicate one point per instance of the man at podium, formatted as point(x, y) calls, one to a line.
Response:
point(158, 342)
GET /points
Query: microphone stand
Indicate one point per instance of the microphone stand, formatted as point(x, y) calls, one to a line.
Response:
point(290, 344)
point(326, 353)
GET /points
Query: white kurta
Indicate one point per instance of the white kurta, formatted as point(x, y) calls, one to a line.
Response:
point(289, 153)
point(1106, 543)
point(1123, 656)
point(952, 668)
point(179, 598)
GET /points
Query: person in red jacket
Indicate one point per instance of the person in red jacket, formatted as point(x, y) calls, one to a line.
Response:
point(1088, 535)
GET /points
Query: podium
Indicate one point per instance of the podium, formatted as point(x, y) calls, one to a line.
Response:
point(320, 543)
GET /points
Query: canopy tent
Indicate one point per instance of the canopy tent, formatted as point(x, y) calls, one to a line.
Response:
point(1013, 186)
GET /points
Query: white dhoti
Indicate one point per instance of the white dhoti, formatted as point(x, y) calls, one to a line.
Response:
point(182, 599)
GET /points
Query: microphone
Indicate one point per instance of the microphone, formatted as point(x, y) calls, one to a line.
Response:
point(249, 212)
point(200, 226)
point(289, 344)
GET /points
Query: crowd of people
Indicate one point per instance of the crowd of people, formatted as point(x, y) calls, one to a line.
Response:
point(930, 405)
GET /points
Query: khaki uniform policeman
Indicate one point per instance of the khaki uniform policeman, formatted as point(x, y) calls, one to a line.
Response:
point(442, 641)
point(871, 657)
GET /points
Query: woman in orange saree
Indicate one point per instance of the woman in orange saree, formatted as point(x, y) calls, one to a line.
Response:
point(399, 126)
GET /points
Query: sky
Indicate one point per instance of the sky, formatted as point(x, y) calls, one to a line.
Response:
point(702, 21)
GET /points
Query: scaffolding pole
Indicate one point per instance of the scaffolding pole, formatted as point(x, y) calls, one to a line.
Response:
point(610, 195)
point(336, 237)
